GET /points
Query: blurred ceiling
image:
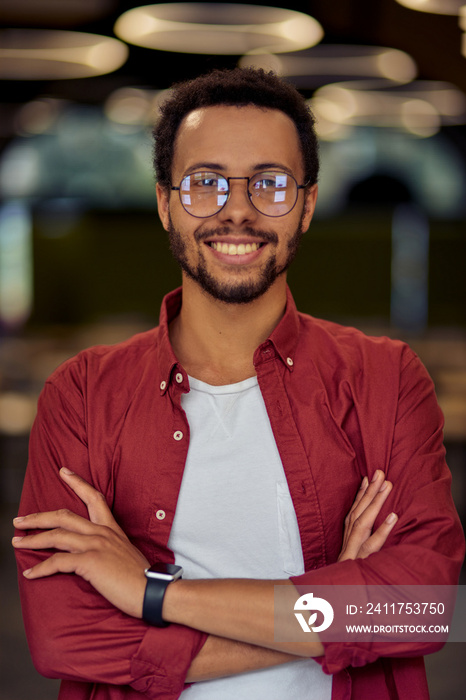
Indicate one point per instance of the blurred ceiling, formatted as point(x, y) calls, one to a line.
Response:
point(434, 41)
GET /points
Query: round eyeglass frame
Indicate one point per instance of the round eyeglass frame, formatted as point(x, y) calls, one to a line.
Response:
point(250, 194)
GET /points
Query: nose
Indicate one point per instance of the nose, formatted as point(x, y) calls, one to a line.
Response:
point(238, 209)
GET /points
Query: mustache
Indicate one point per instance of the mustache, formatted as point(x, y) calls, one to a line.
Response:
point(203, 234)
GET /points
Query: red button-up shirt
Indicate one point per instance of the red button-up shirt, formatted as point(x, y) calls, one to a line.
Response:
point(341, 405)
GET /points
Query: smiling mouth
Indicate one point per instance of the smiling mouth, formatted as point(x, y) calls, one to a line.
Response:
point(233, 249)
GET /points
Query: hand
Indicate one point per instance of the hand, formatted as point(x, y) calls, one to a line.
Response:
point(96, 549)
point(358, 540)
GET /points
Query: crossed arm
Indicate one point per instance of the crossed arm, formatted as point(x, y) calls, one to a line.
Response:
point(238, 614)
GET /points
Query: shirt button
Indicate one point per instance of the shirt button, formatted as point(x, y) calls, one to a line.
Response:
point(163, 386)
point(289, 362)
point(179, 377)
point(178, 435)
point(160, 515)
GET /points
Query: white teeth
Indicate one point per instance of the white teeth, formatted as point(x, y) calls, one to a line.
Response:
point(233, 249)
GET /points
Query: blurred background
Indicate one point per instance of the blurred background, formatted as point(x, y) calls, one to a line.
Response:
point(84, 259)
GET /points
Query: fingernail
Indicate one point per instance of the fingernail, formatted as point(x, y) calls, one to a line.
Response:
point(18, 520)
point(376, 474)
point(383, 487)
point(67, 471)
point(16, 539)
point(27, 572)
point(392, 518)
point(364, 483)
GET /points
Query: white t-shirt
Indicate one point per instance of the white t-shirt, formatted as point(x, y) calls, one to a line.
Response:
point(235, 519)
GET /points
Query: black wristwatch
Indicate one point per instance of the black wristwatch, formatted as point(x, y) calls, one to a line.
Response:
point(158, 577)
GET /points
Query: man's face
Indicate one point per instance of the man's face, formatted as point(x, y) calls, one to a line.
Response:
point(235, 142)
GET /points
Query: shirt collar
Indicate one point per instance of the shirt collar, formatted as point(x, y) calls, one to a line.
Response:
point(284, 337)
point(170, 309)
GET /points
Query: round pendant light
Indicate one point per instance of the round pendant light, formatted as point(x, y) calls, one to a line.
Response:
point(328, 63)
point(438, 7)
point(43, 54)
point(421, 107)
point(218, 28)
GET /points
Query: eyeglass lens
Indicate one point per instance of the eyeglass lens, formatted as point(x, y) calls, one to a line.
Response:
point(271, 193)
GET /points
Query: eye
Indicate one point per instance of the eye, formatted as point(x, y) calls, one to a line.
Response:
point(270, 181)
point(264, 183)
point(208, 181)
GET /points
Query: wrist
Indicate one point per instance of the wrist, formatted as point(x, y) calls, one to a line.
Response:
point(175, 606)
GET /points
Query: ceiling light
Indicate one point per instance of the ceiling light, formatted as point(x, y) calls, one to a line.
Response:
point(462, 17)
point(135, 106)
point(128, 106)
point(421, 107)
point(332, 63)
point(40, 54)
point(38, 116)
point(218, 28)
point(439, 7)
point(420, 117)
point(17, 413)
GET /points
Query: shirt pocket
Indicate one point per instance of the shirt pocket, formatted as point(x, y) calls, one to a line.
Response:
point(288, 533)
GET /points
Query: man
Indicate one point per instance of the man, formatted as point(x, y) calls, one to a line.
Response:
point(232, 440)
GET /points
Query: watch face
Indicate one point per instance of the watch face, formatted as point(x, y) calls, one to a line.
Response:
point(166, 572)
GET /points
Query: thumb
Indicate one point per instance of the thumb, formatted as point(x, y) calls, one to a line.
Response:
point(97, 507)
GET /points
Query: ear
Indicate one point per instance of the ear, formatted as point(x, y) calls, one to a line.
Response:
point(163, 198)
point(310, 199)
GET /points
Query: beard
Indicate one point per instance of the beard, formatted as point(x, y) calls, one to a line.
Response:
point(243, 291)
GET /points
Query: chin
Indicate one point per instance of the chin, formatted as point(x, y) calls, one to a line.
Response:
point(236, 292)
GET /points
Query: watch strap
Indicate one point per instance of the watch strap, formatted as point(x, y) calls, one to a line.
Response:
point(153, 601)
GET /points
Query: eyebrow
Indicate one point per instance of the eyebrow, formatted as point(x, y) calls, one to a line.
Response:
point(218, 167)
point(204, 165)
point(273, 166)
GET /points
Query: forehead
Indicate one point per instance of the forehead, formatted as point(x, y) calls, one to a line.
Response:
point(238, 138)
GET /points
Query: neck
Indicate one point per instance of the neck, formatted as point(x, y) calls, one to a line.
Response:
point(215, 341)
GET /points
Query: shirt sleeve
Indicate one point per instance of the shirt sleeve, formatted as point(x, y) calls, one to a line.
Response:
point(426, 546)
point(73, 632)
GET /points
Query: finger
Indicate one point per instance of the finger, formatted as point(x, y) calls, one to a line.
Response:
point(370, 493)
point(349, 518)
point(99, 512)
point(57, 563)
point(55, 539)
point(376, 541)
point(362, 527)
point(49, 520)
point(368, 516)
point(362, 490)
point(363, 499)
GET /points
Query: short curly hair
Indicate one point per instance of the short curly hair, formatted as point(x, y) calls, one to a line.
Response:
point(238, 86)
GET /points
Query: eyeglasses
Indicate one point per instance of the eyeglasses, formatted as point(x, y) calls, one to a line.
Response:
point(205, 193)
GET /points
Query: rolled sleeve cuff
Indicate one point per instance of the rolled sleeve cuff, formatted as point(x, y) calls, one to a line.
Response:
point(338, 656)
point(163, 659)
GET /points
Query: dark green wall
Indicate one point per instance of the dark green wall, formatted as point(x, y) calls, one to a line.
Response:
point(106, 264)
